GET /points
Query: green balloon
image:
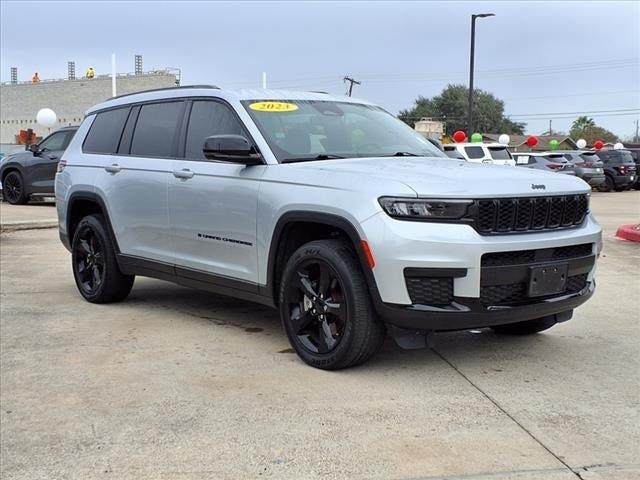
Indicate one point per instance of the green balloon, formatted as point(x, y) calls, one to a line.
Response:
point(476, 138)
point(554, 144)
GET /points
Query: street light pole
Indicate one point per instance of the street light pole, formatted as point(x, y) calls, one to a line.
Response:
point(471, 59)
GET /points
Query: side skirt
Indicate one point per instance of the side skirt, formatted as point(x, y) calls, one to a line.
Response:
point(131, 265)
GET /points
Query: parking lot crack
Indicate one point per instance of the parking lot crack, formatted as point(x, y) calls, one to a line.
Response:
point(508, 415)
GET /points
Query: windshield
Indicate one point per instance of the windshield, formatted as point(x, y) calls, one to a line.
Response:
point(299, 130)
point(499, 153)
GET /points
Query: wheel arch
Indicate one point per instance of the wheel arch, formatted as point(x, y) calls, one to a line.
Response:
point(296, 228)
point(81, 204)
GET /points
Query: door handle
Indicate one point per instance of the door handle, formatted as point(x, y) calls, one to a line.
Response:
point(183, 174)
point(115, 168)
point(53, 157)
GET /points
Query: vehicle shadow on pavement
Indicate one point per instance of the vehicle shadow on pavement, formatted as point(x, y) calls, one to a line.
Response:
point(266, 329)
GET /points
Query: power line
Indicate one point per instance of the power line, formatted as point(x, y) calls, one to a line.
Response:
point(378, 78)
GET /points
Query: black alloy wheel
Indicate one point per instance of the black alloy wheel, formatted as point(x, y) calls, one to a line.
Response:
point(325, 306)
point(89, 261)
point(13, 190)
point(95, 266)
point(317, 306)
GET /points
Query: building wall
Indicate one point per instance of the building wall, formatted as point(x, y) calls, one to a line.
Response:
point(20, 103)
point(430, 128)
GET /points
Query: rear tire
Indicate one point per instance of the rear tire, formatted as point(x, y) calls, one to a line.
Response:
point(13, 189)
point(325, 307)
point(608, 184)
point(528, 327)
point(94, 264)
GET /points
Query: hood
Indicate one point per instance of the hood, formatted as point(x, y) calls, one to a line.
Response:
point(432, 176)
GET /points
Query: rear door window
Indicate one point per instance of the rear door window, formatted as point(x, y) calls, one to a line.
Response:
point(499, 153)
point(105, 131)
point(209, 118)
point(157, 130)
point(474, 152)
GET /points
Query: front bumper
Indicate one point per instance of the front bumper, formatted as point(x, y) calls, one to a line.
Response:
point(594, 179)
point(400, 246)
point(468, 313)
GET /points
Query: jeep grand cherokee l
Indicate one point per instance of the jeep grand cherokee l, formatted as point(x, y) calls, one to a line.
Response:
point(327, 208)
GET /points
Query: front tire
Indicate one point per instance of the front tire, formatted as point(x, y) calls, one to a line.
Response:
point(13, 189)
point(528, 327)
point(94, 264)
point(326, 309)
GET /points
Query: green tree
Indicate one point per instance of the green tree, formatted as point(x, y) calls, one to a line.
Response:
point(598, 133)
point(581, 124)
point(451, 106)
point(585, 127)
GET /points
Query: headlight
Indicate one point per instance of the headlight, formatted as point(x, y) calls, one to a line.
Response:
point(418, 208)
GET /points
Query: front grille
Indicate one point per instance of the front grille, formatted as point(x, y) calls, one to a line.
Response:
point(506, 215)
point(516, 293)
point(437, 291)
point(522, 257)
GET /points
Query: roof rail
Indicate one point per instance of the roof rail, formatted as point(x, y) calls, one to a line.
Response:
point(165, 88)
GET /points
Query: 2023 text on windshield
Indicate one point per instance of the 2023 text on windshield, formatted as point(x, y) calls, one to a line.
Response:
point(304, 130)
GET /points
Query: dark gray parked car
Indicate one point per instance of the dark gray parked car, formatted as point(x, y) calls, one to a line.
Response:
point(33, 171)
point(588, 165)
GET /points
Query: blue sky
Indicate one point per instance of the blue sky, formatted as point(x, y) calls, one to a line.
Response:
point(540, 57)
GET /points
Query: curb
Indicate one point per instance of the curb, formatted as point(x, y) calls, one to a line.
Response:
point(13, 226)
point(629, 232)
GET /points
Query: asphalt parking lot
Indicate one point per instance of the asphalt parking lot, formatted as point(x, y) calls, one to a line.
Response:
point(176, 383)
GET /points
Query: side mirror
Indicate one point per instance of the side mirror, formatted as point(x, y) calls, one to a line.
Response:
point(33, 148)
point(231, 148)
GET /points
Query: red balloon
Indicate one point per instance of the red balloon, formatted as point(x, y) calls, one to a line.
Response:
point(459, 136)
point(532, 141)
point(598, 144)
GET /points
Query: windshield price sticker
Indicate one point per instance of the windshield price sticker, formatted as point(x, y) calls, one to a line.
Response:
point(273, 107)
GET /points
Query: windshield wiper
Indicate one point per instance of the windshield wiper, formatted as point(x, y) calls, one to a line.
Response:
point(322, 156)
point(404, 154)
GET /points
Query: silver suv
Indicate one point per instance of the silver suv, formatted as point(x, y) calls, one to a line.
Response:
point(327, 208)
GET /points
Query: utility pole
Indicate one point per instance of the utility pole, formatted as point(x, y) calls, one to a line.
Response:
point(637, 139)
point(550, 131)
point(351, 82)
point(471, 59)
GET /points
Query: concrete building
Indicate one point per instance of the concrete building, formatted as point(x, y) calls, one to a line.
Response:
point(20, 102)
point(429, 128)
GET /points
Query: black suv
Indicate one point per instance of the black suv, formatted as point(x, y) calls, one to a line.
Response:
point(635, 153)
point(33, 171)
point(619, 170)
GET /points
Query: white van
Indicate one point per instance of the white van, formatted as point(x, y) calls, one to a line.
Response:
point(494, 153)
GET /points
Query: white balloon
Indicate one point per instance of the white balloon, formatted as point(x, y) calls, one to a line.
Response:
point(46, 117)
point(504, 139)
point(618, 146)
point(581, 143)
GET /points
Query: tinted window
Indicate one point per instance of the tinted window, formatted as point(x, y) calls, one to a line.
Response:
point(104, 135)
point(55, 142)
point(499, 153)
point(474, 152)
point(156, 129)
point(209, 118)
point(626, 157)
